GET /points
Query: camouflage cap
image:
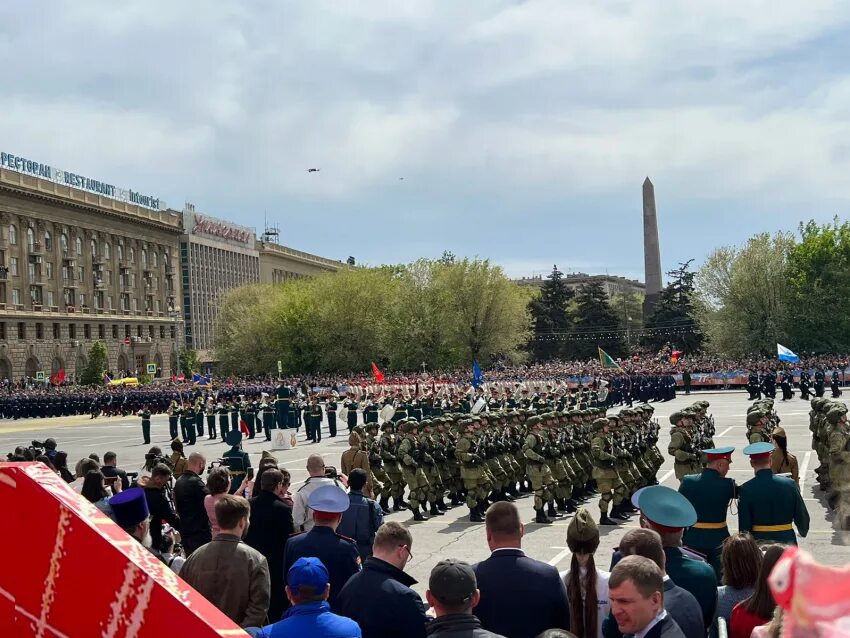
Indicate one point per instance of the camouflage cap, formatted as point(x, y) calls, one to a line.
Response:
point(754, 417)
point(582, 528)
point(836, 412)
point(676, 417)
point(598, 424)
point(532, 421)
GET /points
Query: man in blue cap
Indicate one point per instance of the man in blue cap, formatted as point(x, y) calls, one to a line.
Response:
point(308, 587)
point(130, 512)
point(338, 553)
point(238, 461)
point(669, 513)
point(769, 505)
point(710, 493)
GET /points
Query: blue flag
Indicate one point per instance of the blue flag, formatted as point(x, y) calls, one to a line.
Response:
point(784, 354)
point(477, 375)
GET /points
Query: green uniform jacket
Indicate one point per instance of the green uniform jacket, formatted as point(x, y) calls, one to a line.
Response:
point(710, 495)
point(695, 576)
point(767, 499)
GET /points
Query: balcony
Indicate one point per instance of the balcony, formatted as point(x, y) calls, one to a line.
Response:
point(99, 284)
point(97, 260)
point(36, 248)
point(70, 282)
point(68, 258)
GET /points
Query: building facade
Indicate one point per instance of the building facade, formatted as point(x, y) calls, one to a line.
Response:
point(215, 256)
point(279, 264)
point(78, 266)
point(612, 284)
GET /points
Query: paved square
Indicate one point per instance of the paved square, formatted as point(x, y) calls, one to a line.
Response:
point(451, 535)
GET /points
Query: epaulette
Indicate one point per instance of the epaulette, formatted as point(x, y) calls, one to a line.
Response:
point(342, 536)
point(692, 553)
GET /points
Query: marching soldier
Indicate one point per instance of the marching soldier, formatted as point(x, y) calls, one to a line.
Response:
point(604, 473)
point(819, 381)
point(351, 418)
point(223, 420)
point(471, 471)
point(681, 447)
point(833, 385)
point(145, 413)
point(805, 384)
point(770, 505)
point(412, 459)
point(756, 423)
point(238, 462)
point(839, 462)
point(710, 493)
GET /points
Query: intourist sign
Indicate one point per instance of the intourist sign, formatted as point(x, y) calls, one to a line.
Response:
point(206, 226)
point(45, 171)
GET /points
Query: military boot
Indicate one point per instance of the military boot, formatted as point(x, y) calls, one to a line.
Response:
point(572, 505)
point(456, 500)
point(475, 515)
point(441, 503)
point(542, 518)
point(617, 512)
point(605, 520)
point(399, 504)
point(562, 504)
point(506, 497)
point(417, 515)
point(435, 511)
point(513, 491)
point(551, 512)
point(385, 505)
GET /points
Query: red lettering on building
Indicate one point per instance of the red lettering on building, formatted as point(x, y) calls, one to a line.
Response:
point(206, 226)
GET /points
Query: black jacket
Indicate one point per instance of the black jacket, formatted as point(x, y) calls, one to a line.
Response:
point(380, 600)
point(270, 526)
point(189, 493)
point(161, 512)
point(520, 597)
point(458, 626)
point(681, 606)
point(111, 470)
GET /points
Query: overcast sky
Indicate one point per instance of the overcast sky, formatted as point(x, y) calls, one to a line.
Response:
point(523, 130)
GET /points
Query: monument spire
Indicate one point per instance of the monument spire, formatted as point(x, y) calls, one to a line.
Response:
point(651, 251)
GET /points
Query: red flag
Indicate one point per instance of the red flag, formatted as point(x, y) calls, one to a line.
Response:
point(379, 376)
point(675, 356)
point(61, 375)
point(243, 427)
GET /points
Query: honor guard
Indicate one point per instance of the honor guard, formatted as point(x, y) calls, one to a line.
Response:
point(710, 493)
point(770, 505)
point(238, 462)
point(145, 413)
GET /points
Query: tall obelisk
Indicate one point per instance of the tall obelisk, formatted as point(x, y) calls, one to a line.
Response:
point(651, 251)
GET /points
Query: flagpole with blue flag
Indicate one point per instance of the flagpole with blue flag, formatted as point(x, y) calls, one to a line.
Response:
point(477, 375)
point(785, 354)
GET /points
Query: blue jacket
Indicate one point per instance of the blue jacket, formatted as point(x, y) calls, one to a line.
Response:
point(310, 619)
point(360, 521)
point(337, 553)
point(380, 599)
point(520, 597)
point(680, 605)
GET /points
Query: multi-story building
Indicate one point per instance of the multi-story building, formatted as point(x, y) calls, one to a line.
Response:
point(279, 263)
point(215, 256)
point(82, 261)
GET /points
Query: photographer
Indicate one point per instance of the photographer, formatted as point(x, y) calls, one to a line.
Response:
point(159, 505)
point(300, 511)
point(112, 472)
point(189, 495)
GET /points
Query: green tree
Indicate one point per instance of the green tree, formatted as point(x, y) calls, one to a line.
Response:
point(819, 276)
point(96, 365)
point(189, 362)
point(628, 306)
point(674, 318)
point(596, 324)
point(550, 314)
point(745, 296)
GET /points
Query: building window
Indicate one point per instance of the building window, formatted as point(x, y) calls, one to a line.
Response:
point(13, 266)
point(79, 246)
point(72, 331)
point(107, 251)
point(153, 259)
point(35, 295)
point(173, 332)
point(30, 239)
point(39, 330)
point(87, 331)
point(16, 296)
point(150, 331)
point(158, 305)
point(63, 243)
point(109, 302)
point(57, 331)
point(13, 235)
point(101, 331)
point(51, 299)
point(48, 240)
point(144, 258)
point(82, 300)
point(81, 274)
point(93, 248)
point(127, 331)
point(49, 270)
point(162, 332)
point(132, 254)
point(22, 330)
point(2, 330)
point(114, 331)
point(120, 249)
point(139, 331)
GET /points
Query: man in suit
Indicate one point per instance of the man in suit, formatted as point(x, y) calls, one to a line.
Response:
point(768, 504)
point(520, 596)
point(679, 603)
point(271, 526)
point(636, 593)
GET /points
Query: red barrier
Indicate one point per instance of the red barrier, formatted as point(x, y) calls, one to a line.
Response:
point(71, 572)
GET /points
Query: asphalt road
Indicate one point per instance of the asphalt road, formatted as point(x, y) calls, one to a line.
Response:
point(452, 535)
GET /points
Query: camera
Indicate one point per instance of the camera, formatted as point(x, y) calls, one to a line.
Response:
point(331, 472)
point(216, 463)
point(38, 445)
point(154, 459)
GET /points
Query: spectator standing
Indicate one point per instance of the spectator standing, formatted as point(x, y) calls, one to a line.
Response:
point(741, 559)
point(158, 503)
point(94, 490)
point(587, 586)
point(636, 592)
point(218, 484)
point(520, 596)
point(453, 594)
point(271, 526)
point(758, 608)
point(363, 517)
point(310, 615)
point(178, 460)
point(110, 469)
point(231, 575)
point(679, 603)
point(300, 509)
point(355, 457)
point(130, 509)
point(781, 460)
point(380, 598)
point(189, 500)
point(337, 553)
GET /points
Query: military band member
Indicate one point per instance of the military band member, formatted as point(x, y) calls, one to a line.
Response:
point(238, 462)
point(819, 381)
point(314, 431)
point(268, 418)
point(351, 419)
point(770, 505)
point(234, 416)
point(710, 493)
point(223, 420)
point(210, 414)
point(249, 411)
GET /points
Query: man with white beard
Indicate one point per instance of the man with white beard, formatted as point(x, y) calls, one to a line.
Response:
point(130, 509)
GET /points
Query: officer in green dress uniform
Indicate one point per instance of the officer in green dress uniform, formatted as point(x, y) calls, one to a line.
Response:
point(223, 420)
point(145, 413)
point(331, 410)
point(315, 417)
point(351, 419)
point(670, 513)
point(236, 459)
point(249, 411)
point(710, 493)
point(268, 419)
point(768, 504)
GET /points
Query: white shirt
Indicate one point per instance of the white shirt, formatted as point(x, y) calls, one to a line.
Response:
point(661, 616)
point(603, 606)
point(301, 514)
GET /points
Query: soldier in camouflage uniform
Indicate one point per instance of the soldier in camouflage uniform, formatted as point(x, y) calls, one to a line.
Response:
point(433, 468)
point(839, 462)
point(604, 471)
point(412, 459)
point(451, 475)
point(471, 470)
point(539, 473)
point(682, 447)
point(377, 475)
point(756, 423)
point(395, 480)
point(820, 443)
point(561, 472)
point(490, 442)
